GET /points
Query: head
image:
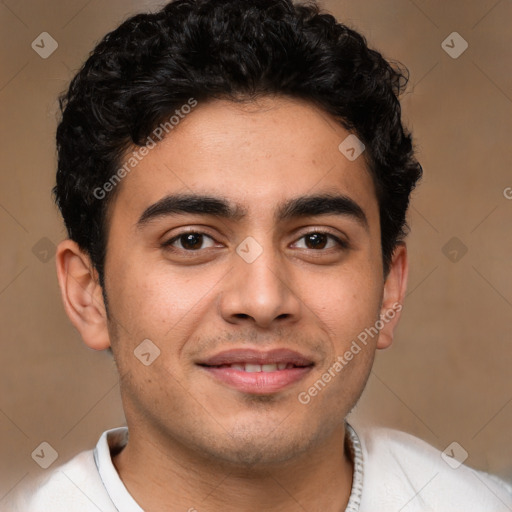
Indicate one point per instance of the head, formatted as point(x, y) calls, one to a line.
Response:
point(211, 204)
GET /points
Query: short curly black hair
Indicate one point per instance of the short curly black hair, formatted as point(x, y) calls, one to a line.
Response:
point(152, 64)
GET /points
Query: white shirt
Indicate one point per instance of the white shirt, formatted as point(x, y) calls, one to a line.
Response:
point(393, 472)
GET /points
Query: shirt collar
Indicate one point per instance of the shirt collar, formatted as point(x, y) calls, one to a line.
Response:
point(353, 444)
point(110, 443)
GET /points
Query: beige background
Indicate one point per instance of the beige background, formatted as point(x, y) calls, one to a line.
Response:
point(447, 376)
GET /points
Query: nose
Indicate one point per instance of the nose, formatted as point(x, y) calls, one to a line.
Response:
point(260, 292)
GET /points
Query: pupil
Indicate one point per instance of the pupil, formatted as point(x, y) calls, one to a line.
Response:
point(318, 240)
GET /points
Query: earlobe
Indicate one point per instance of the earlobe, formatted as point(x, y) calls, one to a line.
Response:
point(395, 287)
point(82, 295)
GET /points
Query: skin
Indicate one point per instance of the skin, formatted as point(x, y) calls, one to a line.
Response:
point(194, 442)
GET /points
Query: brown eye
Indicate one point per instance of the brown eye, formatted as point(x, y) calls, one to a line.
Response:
point(190, 241)
point(318, 240)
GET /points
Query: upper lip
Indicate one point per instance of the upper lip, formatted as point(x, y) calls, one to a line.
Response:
point(239, 356)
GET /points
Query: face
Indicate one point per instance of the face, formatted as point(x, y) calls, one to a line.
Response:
point(248, 287)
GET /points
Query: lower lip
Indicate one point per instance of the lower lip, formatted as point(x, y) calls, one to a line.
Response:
point(258, 383)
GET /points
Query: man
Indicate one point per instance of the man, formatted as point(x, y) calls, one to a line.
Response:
point(234, 177)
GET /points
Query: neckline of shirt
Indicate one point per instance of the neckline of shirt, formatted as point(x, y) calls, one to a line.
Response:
point(117, 438)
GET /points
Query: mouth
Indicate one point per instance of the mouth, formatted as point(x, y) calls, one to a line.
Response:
point(256, 372)
point(254, 368)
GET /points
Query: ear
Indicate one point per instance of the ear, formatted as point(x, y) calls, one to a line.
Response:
point(395, 287)
point(82, 294)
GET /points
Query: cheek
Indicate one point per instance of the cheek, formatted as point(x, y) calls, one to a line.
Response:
point(349, 306)
point(155, 301)
point(346, 300)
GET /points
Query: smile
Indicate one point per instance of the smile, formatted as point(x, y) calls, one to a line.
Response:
point(253, 368)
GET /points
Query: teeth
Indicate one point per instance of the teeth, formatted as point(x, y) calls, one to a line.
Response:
point(253, 368)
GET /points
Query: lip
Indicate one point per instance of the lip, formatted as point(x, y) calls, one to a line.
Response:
point(247, 355)
point(259, 383)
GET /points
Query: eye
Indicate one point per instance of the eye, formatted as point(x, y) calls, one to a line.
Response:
point(318, 240)
point(194, 241)
point(190, 241)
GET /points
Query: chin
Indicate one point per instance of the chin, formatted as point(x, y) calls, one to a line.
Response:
point(259, 454)
point(256, 447)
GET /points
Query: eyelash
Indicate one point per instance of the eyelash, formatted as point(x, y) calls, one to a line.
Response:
point(168, 244)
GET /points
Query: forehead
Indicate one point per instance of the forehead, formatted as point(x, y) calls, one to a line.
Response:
point(257, 154)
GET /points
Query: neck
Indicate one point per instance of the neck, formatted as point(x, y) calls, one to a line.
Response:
point(162, 472)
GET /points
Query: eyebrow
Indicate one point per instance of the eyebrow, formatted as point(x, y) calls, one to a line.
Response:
point(299, 207)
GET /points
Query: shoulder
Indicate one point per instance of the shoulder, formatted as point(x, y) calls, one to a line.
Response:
point(404, 471)
point(75, 485)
